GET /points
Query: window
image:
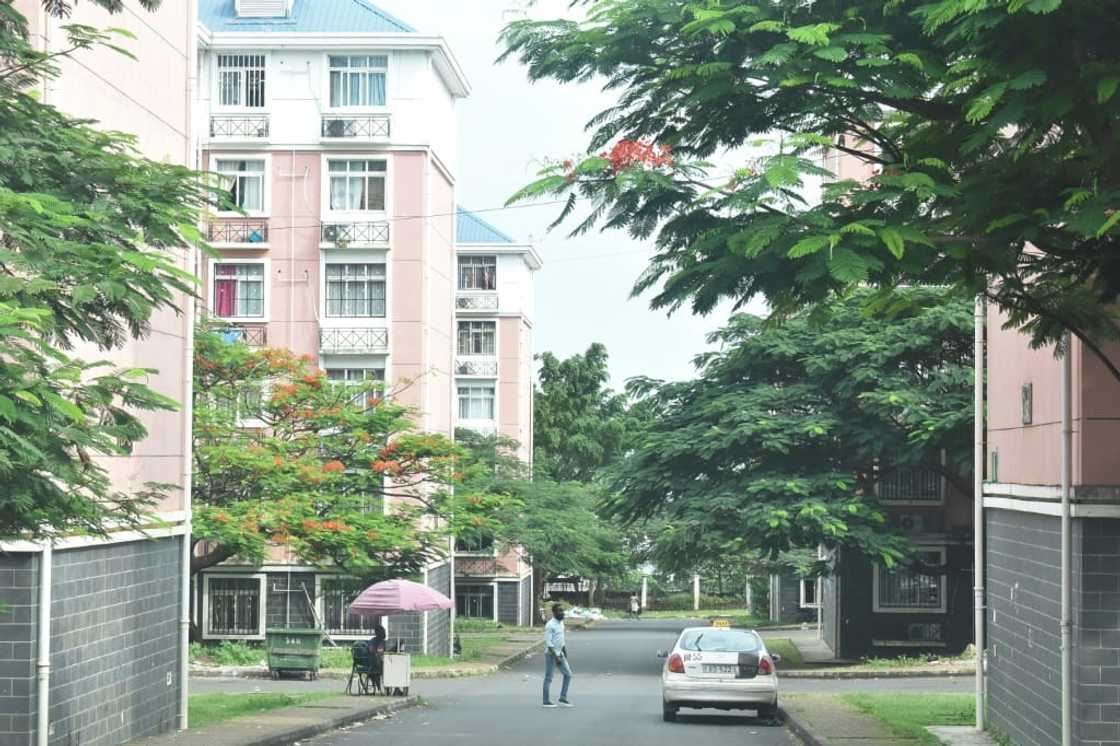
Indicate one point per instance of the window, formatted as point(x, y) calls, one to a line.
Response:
point(338, 594)
point(358, 80)
point(477, 338)
point(476, 402)
point(357, 185)
point(715, 640)
point(910, 485)
point(475, 601)
point(239, 290)
point(244, 183)
point(475, 544)
point(356, 291)
point(241, 80)
point(234, 606)
point(810, 593)
point(353, 376)
point(242, 404)
point(478, 272)
point(905, 589)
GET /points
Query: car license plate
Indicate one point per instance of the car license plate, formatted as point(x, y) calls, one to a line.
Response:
point(724, 668)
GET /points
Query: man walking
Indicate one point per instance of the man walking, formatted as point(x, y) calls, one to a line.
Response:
point(556, 656)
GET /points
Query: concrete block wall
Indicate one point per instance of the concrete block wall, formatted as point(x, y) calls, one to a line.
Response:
point(288, 604)
point(115, 642)
point(1024, 608)
point(527, 604)
point(507, 603)
point(19, 583)
point(439, 622)
point(1096, 563)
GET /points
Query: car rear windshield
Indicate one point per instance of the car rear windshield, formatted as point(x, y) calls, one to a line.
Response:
point(720, 641)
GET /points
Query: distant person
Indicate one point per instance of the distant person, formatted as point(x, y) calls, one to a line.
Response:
point(556, 656)
point(635, 607)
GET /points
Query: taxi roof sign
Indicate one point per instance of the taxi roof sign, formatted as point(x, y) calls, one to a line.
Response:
point(721, 623)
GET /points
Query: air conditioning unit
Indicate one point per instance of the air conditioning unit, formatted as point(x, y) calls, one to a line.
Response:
point(332, 233)
point(912, 523)
point(336, 127)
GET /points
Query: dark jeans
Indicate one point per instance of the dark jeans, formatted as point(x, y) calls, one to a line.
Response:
point(550, 666)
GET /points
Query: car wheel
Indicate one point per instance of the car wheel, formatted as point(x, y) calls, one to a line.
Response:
point(668, 713)
point(768, 712)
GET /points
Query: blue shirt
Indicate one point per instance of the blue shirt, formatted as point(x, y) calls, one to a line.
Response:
point(554, 635)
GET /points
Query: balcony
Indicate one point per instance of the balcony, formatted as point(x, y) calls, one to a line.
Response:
point(483, 367)
point(476, 301)
point(239, 127)
point(365, 341)
point(344, 235)
point(355, 127)
point(253, 336)
point(238, 233)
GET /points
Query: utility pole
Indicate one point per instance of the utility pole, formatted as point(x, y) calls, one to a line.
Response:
point(696, 592)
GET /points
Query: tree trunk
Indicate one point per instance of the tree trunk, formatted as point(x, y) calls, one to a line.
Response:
point(215, 556)
point(591, 587)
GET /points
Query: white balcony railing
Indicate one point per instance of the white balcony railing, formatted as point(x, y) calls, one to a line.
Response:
point(482, 366)
point(239, 126)
point(476, 301)
point(251, 233)
point(354, 341)
point(342, 235)
point(355, 127)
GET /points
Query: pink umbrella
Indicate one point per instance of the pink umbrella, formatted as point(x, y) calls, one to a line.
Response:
point(391, 597)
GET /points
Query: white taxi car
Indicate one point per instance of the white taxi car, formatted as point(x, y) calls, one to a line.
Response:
point(719, 667)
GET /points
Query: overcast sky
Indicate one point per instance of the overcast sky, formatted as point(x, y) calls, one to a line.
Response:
point(506, 127)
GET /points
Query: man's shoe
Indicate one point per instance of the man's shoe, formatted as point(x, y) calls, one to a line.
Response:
point(548, 704)
point(566, 703)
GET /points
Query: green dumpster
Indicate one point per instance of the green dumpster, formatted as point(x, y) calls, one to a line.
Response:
point(293, 650)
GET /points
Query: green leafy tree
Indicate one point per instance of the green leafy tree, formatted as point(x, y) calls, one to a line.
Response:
point(336, 472)
point(90, 238)
point(579, 425)
point(987, 129)
point(779, 441)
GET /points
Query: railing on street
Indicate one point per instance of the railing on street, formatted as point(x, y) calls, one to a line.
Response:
point(235, 232)
point(355, 233)
point(248, 126)
point(355, 126)
point(354, 340)
point(476, 301)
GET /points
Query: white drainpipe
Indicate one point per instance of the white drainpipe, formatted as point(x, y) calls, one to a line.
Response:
point(978, 508)
point(1067, 543)
point(192, 161)
point(43, 723)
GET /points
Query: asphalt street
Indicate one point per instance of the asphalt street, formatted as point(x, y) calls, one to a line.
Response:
point(616, 692)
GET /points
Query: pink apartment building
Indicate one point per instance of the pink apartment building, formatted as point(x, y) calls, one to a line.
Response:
point(333, 126)
point(95, 631)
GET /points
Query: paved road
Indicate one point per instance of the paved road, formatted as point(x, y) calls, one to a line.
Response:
point(616, 691)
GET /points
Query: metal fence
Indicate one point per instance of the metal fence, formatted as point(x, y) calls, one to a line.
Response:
point(254, 336)
point(250, 126)
point(356, 126)
point(228, 231)
point(354, 340)
point(467, 367)
point(359, 233)
point(476, 301)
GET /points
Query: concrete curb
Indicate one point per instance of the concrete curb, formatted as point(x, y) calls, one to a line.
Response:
point(299, 734)
point(804, 673)
point(795, 726)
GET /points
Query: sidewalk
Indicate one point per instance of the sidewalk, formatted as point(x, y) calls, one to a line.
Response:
point(821, 720)
point(287, 725)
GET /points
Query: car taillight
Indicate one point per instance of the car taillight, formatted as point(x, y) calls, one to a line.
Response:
point(676, 664)
point(765, 666)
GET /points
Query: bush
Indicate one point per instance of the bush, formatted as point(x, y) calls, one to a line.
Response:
point(683, 602)
point(471, 624)
point(227, 653)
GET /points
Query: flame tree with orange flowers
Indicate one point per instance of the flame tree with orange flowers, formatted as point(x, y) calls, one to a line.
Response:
point(338, 473)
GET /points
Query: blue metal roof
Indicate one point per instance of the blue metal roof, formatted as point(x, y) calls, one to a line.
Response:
point(470, 228)
point(308, 17)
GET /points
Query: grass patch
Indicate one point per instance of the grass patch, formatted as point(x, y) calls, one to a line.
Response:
point(208, 709)
point(475, 648)
point(916, 661)
point(909, 714)
point(783, 646)
point(227, 653)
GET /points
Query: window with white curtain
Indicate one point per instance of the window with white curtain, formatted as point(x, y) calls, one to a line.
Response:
point(478, 272)
point(241, 81)
point(476, 402)
point(358, 80)
point(477, 338)
point(238, 290)
point(243, 181)
point(357, 185)
point(355, 290)
point(357, 376)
